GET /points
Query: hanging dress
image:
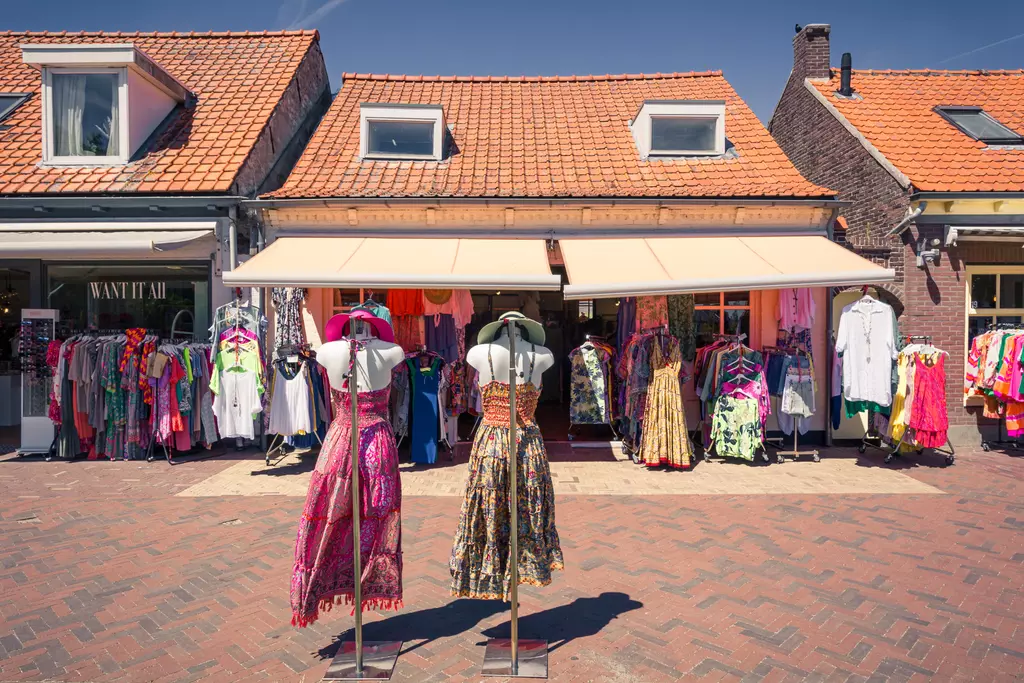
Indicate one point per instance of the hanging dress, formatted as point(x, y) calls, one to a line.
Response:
point(664, 440)
point(322, 573)
point(480, 554)
point(425, 416)
point(928, 416)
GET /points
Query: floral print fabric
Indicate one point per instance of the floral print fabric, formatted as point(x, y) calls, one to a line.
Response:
point(288, 315)
point(651, 312)
point(322, 575)
point(590, 385)
point(736, 427)
point(665, 440)
point(681, 325)
point(480, 554)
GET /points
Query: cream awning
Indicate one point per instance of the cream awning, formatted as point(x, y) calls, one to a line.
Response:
point(122, 243)
point(399, 262)
point(638, 266)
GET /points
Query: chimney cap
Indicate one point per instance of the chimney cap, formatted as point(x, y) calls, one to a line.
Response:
point(815, 28)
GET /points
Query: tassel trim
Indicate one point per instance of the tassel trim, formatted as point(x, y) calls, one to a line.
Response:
point(327, 604)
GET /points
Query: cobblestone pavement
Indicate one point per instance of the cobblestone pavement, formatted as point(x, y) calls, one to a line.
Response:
point(107, 574)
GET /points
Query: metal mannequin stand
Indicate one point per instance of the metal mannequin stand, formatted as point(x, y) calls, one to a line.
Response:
point(511, 657)
point(360, 660)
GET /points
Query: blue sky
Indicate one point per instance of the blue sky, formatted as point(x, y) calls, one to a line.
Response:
point(749, 41)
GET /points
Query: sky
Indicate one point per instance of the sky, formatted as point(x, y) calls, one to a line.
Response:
point(751, 42)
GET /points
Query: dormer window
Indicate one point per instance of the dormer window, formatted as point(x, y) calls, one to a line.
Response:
point(680, 128)
point(974, 122)
point(401, 131)
point(101, 101)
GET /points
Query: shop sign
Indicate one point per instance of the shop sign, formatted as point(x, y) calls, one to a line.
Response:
point(128, 290)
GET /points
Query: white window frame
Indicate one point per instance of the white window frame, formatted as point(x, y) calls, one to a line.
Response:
point(991, 313)
point(49, 157)
point(678, 109)
point(405, 113)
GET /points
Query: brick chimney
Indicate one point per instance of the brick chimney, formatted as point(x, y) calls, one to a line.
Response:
point(811, 52)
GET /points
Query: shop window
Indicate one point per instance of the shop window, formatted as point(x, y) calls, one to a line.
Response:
point(585, 310)
point(995, 295)
point(720, 313)
point(345, 300)
point(161, 299)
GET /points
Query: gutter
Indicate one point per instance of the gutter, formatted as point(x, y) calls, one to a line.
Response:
point(135, 200)
point(539, 201)
point(965, 195)
point(905, 223)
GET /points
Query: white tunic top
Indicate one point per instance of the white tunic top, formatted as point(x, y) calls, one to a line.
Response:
point(867, 340)
point(289, 406)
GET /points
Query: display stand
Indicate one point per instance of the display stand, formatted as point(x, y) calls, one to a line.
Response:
point(37, 430)
point(511, 657)
point(796, 452)
point(360, 660)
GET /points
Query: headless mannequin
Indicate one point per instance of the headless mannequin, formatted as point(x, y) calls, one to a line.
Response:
point(374, 362)
point(477, 358)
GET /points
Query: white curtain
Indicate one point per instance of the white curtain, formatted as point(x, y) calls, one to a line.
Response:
point(68, 107)
point(114, 126)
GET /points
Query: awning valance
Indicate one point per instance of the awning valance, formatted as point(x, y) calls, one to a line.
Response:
point(399, 262)
point(993, 233)
point(108, 245)
point(639, 266)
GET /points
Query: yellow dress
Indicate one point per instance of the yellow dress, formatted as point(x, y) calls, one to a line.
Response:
point(665, 440)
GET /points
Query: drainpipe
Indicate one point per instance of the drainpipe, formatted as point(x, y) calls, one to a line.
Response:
point(905, 223)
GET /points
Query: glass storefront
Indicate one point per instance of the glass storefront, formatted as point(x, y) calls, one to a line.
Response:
point(112, 298)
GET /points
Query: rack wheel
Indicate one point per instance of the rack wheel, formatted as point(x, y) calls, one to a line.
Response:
point(985, 447)
point(764, 456)
point(779, 459)
point(268, 461)
point(888, 458)
point(861, 448)
point(950, 459)
point(817, 458)
point(707, 457)
point(570, 437)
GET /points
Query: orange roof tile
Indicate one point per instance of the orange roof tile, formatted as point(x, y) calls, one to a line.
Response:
point(223, 70)
point(557, 136)
point(895, 112)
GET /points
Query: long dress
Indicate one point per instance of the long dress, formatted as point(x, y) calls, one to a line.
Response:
point(425, 419)
point(928, 417)
point(664, 440)
point(322, 574)
point(480, 554)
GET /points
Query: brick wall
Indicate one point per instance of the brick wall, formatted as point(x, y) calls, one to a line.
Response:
point(829, 155)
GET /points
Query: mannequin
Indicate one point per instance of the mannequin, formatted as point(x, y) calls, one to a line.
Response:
point(477, 358)
point(322, 575)
point(374, 362)
point(481, 552)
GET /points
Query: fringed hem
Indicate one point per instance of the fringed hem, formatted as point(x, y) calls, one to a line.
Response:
point(327, 604)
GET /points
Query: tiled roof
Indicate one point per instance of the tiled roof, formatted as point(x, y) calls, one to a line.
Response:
point(542, 137)
point(894, 110)
point(238, 79)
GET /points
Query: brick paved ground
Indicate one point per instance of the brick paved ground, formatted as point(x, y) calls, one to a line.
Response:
point(106, 575)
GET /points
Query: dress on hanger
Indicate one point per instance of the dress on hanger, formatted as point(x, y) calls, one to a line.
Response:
point(480, 554)
point(928, 415)
point(664, 440)
point(425, 417)
point(322, 573)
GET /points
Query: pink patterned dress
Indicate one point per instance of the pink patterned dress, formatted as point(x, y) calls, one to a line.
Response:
point(322, 575)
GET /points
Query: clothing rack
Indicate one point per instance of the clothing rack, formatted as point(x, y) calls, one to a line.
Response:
point(1014, 444)
point(795, 453)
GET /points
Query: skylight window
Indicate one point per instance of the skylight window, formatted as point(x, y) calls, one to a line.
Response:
point(974, 122)
point(401, 131)
point(680, 128)
point(9, 101)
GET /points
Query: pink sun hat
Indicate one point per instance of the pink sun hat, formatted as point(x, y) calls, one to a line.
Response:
point(338, 325)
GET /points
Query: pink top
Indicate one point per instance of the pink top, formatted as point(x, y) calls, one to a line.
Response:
point(459, 306)
point(796, 309)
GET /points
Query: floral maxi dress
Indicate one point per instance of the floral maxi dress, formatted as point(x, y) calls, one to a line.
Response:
point(480, 554)
point(665, 440)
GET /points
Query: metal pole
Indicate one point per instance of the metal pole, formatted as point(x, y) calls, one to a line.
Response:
point(357, 570)
point(513, 467)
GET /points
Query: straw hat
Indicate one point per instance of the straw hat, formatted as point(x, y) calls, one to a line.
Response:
point(437, 297)
point(531, 330)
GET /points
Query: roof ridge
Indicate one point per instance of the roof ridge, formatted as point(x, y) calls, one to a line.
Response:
point(936, 72)
point(161, 34)
point(527, 79)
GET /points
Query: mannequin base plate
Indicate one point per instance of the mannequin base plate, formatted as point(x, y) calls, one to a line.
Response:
point(379, 659)
point(533, 659)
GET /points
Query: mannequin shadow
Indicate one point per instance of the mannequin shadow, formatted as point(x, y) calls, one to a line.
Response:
point(560, 625)
point(425, 625)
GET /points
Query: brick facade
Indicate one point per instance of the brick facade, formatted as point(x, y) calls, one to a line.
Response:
point(929, 301)
point(827, 154)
